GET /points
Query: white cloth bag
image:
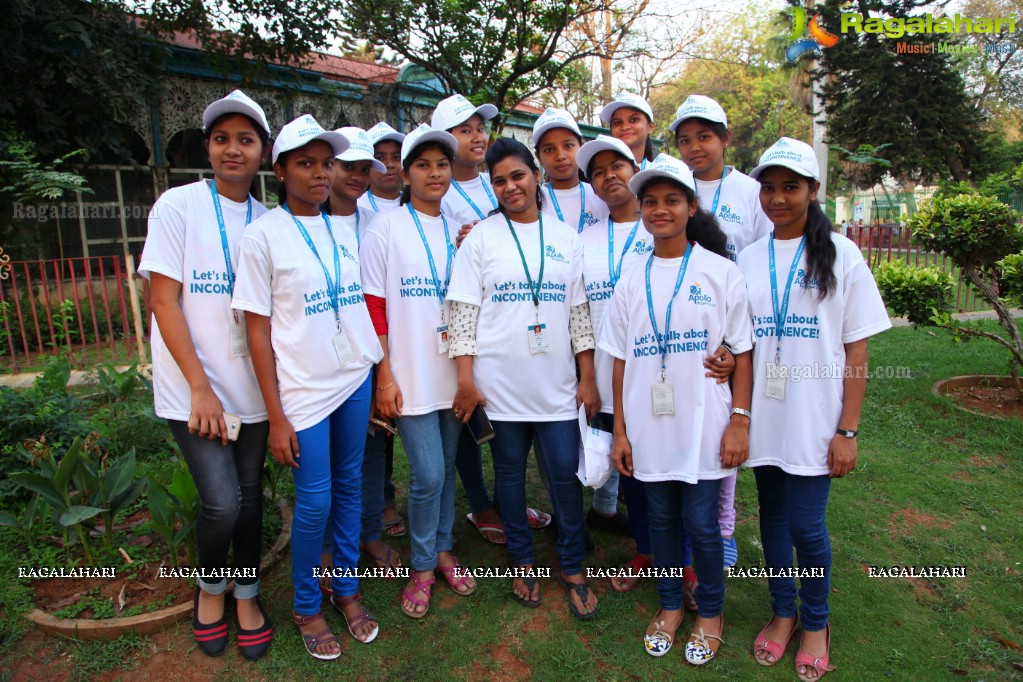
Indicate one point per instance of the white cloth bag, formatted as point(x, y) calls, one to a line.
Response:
point(595, 465)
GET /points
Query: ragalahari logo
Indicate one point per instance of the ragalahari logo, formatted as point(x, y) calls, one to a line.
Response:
point(800, 44)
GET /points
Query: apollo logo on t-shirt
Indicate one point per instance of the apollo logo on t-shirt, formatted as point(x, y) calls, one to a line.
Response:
point(642, 247)
point(727, 215)
point(589, 218)
point(805, 282)
point(697, 296)
point(555, 255)
point(347, 254)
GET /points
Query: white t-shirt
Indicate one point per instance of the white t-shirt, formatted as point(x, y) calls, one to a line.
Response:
point(183, 243)
point(357, 222)
point(598, 286)
point(739, 212)
point(488, 272)
point(455, 206)
point(711, 307)
point(794, 433)
point(279, 277)
point(568, 202)
point(382, 205)
point(395, 267)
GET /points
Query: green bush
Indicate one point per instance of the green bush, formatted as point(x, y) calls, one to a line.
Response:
point(975, 231)
point(914, 292)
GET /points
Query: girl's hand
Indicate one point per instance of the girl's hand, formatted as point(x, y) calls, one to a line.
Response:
point(587, 395)
point(720, 364)
point(467, 397)
point(841, 456)
point(463, 231)
point(621, 454)
point(389, 401)
point(207, 416)
point(735, 443)
point(284, 443)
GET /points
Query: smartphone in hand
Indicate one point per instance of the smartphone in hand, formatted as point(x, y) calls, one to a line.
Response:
point(234, 425)
point(480, 427)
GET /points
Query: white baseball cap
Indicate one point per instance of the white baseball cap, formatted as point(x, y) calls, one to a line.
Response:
point(699, 106)
point(457, 109)
point(359, 148)
point(235, 103)
point(553, 118)
point(603, 143)
point(663, 166)
point(304, 130)
point(382, 132)
point(425, 133)
point(626, 99)
point(792, 154)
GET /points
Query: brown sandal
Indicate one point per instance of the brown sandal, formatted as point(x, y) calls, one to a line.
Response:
point(356, 621)
point(325, 636)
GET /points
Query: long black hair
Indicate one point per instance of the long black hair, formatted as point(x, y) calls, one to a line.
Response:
point(415, 153)
point(702, 227)
point(501, 149)
point(820, 250)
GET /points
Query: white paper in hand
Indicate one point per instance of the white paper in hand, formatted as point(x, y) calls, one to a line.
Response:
point(595, 465)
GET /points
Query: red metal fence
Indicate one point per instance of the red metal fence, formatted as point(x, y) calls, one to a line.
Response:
point(80, 304)
point(886, 242)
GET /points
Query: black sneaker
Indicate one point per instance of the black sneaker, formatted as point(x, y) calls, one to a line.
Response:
point(212, 637)
point(254, 643)
point(617, 524)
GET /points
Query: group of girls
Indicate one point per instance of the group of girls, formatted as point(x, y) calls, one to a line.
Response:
point(391, 255)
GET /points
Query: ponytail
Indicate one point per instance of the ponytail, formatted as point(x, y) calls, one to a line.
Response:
point(648, 151)
point(820, 251)
point(702, 227)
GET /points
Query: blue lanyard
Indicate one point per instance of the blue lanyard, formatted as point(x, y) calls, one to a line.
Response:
point(472, 204)
point(372, 201)
point(333, 290)
point(642, 166)
point(781, 313)
point(717, 194)
point(223, 233)
point(441, 293)
point(582, 205)
point(662, 341)
point(613, 272)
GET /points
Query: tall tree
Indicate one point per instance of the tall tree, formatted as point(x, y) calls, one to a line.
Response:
point(917, 103)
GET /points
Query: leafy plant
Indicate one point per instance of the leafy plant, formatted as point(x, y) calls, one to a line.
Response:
point(111, 487)
point(26, 523)
point(174, 511)
point(120, 385)
point(914, 292)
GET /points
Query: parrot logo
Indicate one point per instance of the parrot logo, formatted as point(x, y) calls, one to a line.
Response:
point(800, 45)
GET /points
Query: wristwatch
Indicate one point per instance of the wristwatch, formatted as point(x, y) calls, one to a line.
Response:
point(847, 433)
point(744, 413)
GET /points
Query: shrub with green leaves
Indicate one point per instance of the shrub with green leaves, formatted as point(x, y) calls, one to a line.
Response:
point(975, 231)
point(914, 292)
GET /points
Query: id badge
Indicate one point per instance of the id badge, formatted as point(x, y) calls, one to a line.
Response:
point(537, 336)
point(776, 386)
point(239, 338)
point(664, 398)
point(442, 339)
point(343, 347)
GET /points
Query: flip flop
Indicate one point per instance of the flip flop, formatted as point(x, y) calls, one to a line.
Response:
point(583, 591)
point(530, 581)
point(384, 562)
point(395, 528)
point(489, 528)
point(537, 519)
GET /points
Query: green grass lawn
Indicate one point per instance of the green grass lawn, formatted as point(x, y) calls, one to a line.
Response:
point(934, 486)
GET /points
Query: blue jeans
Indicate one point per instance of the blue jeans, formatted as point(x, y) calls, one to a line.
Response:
point(389, 492)
point(430, 442)
point(374, 467)
point(228, 479)
point(328, 483)
point(559, 460)
point(694, 505)
point(792, 514)
point(469, 463)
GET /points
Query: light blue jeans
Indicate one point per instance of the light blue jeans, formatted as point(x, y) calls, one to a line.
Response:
point(431, 442)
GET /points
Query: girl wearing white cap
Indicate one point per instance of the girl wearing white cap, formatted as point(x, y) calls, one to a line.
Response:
point(407, 259)
point(312, 346)
point(556, 140)
point(814, 304)
point(203, 383)
point(519, 322)
point(677, 430)
point(354, 169)
point(701, 136)
point(631, 120)
point(384, 186)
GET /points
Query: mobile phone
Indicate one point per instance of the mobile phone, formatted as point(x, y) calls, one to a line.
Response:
point(234, 425)
point(480, 427)
point(385, 425)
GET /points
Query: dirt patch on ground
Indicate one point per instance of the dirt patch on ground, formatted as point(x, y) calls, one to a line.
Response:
point(905, 520)
point(998, 401)
point(140, 589)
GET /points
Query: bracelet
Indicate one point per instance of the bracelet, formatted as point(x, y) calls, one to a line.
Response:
point(393, 382)
point(744, 413)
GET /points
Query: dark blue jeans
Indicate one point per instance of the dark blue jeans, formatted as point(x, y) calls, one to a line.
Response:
point(792, 514)
point(559, 460)
point(674, 504)
point(228, 479)
point(469, 464)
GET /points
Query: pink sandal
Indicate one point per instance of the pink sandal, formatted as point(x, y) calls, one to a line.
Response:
point(537, 519)
point(457, 578)
point(775, 649)
point(820, 665)
point(634, 565)
point(421, 586)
